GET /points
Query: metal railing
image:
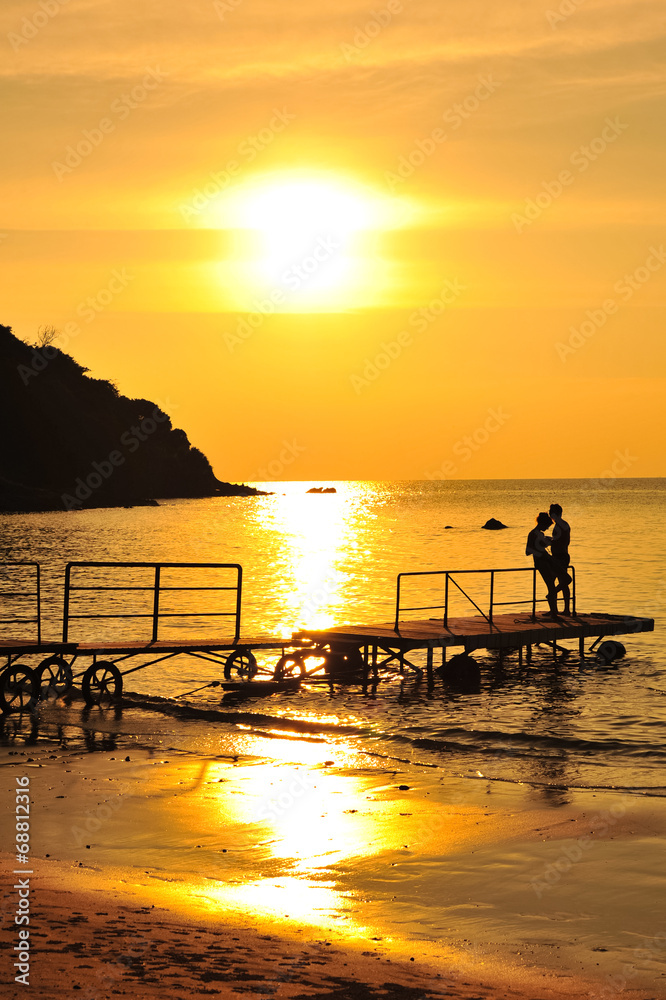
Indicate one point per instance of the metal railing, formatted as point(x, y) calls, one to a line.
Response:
point(450, 575)
point(157, 589)
point(33, 595)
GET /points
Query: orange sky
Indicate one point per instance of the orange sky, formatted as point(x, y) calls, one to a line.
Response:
point(453, 213)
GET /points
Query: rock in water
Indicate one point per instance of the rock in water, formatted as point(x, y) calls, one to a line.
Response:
point(494, 525)
point(461, 672)
point(322, 489)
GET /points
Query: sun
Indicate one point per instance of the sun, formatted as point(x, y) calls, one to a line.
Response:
point(307, 240)
point(308, 206)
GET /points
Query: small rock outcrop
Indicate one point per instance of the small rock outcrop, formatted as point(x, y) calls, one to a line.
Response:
point(494, 525)
point(322, 489)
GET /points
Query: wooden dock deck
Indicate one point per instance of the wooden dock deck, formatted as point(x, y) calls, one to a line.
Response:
point(176, 646)
point(504, 632)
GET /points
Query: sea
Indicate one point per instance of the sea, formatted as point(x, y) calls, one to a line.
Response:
point(513, 828)
point(310, 560)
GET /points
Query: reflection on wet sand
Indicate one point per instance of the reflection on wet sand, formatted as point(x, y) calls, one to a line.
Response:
point(321, 838)
point(296, 814)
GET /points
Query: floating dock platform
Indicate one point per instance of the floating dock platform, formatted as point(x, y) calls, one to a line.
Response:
point(97, 592)
point(505, 632)
point(388, 643)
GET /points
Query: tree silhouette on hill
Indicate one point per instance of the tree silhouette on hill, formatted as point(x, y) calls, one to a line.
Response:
point(69, 441)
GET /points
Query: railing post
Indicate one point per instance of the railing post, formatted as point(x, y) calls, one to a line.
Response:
point(534, 592)
point(573, 589)
point(39, 606)
point(156, 602)
point(397, 603)
point(65, 611)
point(492, 595)
point(446, 601)
point(239, 602)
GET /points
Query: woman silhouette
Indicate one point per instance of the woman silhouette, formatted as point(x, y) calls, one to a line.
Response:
point(537, 543)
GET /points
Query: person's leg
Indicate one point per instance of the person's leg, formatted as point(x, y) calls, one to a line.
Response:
point(566, 593)
point(563, 581)
point(552, 599)
point(549, 579)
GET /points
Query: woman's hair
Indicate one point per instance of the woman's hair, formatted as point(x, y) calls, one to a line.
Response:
point(544, 520)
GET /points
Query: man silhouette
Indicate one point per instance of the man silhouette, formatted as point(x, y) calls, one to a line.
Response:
point(560, 553)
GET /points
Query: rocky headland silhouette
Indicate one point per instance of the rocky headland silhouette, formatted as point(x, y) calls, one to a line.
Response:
point(69, 441)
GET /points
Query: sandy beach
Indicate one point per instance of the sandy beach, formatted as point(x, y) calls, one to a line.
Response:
point(91, 943)
point(159, 872)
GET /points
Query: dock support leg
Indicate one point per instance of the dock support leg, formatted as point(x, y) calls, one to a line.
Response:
point(528, 653)
point(443, 655)
point(374, 663)
point(520, 656)
point(581, 648)
point(431, 682)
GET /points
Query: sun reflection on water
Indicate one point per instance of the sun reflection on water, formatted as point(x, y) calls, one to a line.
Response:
point(313, 536)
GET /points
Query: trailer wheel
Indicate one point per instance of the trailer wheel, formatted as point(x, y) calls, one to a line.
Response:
point(243, 663)
point(287, 665)
point(53, 677)
point(18, 689)
point(102, 683)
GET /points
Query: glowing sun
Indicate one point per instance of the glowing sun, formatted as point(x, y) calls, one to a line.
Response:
point(306, 241)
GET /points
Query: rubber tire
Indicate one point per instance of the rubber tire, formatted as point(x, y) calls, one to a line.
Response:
point(461, 672)
point(62, 680)
point(92, 692)
point(6, 677)
point(344, 666)
point(610, 650)
point(236, 661)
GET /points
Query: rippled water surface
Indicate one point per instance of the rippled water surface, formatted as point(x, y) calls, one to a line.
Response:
point(315, 560)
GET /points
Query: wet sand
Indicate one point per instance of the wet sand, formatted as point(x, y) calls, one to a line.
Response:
point(162, 872)
point(88, 944)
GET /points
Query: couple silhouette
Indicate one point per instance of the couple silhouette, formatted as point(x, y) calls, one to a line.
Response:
point(553, 566)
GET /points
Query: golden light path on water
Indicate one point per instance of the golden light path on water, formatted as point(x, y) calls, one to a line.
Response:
point(316, 536)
